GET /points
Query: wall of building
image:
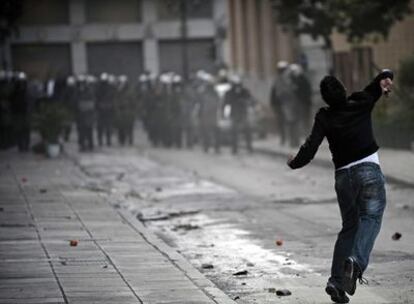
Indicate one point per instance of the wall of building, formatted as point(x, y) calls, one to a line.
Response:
point(257, 43)
point(385, 53)
point(133, 28)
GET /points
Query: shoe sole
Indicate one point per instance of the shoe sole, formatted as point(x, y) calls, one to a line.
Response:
point(349, 284)
point(333, 293)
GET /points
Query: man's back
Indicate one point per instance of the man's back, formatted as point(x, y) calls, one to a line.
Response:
point(346, 123)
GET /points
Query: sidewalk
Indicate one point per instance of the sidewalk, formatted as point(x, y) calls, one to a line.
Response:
point(114, 258)
point(397, 165)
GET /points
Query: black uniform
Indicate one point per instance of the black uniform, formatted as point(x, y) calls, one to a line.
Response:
point(6, 119)
point(239, 100)
point(175, 114)
point(304, 97)
point(105, 106)
point(187, 114)
point(85, 116)
point(21, 114)
point(208, 113)
point(125, 115)
point(69, 103)
point(285, 103)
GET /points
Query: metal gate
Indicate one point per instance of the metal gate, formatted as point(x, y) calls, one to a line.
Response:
point(42, 61)
point(115, 58)
point(201, 55)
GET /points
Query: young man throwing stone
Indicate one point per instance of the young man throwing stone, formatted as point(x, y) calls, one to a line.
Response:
point(359, 182)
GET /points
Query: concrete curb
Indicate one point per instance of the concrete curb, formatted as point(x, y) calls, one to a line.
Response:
point(178, 260)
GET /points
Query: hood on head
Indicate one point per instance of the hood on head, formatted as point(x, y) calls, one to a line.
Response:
point(333, 91)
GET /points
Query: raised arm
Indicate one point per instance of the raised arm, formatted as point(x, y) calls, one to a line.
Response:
point(373, 91)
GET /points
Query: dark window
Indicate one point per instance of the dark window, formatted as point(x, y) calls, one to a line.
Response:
point(42, 61)
point(171, 9)
point(45, 12)
point(115, 57)
point(201, 55)
point(111, 11)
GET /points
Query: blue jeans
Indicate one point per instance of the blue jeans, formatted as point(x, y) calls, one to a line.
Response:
point(361, 196)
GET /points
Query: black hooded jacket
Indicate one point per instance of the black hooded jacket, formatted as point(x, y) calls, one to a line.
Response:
point(348, 128)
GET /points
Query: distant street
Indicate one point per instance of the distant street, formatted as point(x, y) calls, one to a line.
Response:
point(251, 224)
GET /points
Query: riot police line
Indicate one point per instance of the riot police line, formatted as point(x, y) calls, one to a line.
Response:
point(206, 109)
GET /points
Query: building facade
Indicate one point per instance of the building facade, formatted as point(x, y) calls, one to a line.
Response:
point(257, 43)
point(356, 63)
point(62, 37)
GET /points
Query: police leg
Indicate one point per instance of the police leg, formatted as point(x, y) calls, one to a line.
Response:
point(248, 135)
point(234, 136)
point(100, 129)
point(217, 138)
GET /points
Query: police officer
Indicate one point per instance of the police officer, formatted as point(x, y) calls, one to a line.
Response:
point(143, 92)
point(188, 108)
point(176, 110)
point(105, 95)
point(5, 110)
point(239, 99)
point(69, 104)
point(85, 113)
point(21, 110)
point(303, 91)
point(285, 103)
point(125, 112)
point(164, 116)
point(209, 105)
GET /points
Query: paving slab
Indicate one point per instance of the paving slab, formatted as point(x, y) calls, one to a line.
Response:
point(62, 243)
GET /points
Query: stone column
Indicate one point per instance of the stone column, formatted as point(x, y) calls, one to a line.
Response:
point(221, 21)
point(267, 31)
point(78, 46)
point(253, 38)
point(150, 42)
point(239, 36)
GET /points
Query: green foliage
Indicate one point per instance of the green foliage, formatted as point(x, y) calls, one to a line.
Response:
point(394, 117)
point(10, 11)
point(50, 121)
point(406, 77)
point(355, 18)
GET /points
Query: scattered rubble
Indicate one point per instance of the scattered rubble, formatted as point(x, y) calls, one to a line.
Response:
point(396, 236)
point(207, 266)
point(120, 176)
point(183, 213)
point(152, 217)
point(283, 292)
point(186, 227)
point(135, 194)
point(240, 273)
point(279, 292)
point(73, 243)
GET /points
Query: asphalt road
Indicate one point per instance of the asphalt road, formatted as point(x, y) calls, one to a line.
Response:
point(227, 213)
